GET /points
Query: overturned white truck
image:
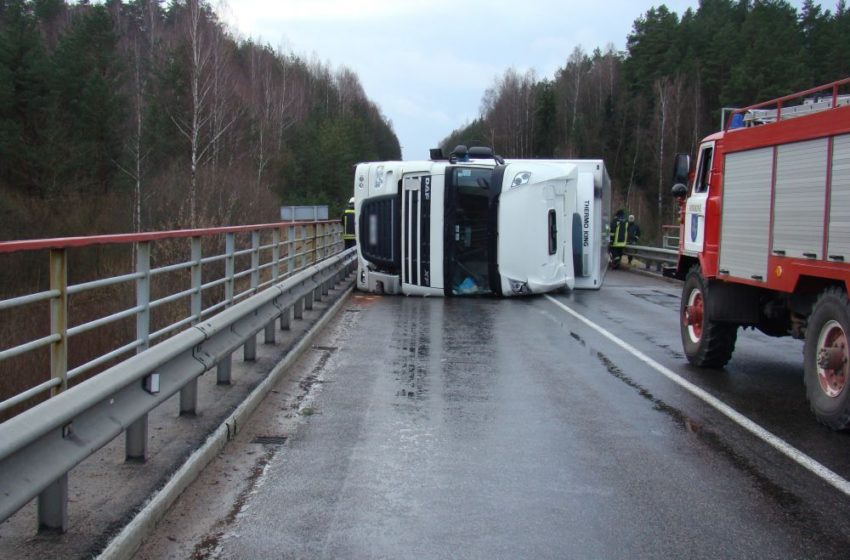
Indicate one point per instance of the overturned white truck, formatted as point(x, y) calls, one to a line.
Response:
point(475, 224)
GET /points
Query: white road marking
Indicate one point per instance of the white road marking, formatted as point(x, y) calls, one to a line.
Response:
point(774, 441)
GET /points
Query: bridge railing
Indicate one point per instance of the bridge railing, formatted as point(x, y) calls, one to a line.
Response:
point(39, 446)
point(167, 289)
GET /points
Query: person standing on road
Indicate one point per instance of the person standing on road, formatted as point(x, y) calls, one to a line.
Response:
point(348, 225)
point(618, 238)
point(632, 233)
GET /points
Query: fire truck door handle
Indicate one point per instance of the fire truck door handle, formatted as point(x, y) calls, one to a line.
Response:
point(839, 258)
point(758, 277)
point(810, 255)
point(779, 252)
point(721, 271)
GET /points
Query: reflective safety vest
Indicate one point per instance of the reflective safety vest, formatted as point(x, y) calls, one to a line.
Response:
point(618, 233)
point(348, 225)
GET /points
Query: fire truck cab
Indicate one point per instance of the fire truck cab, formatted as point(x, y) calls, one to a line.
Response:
point(765, 238)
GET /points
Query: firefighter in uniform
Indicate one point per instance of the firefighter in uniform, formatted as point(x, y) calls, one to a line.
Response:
point(632, 233)
point(348, 231)
point(619, 228)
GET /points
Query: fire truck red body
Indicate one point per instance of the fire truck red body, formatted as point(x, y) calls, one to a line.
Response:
point(765, 238)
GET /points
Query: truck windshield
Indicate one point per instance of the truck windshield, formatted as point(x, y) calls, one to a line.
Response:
point(467, 231)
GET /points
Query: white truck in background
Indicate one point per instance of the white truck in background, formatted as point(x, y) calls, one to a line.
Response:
point(474, 223)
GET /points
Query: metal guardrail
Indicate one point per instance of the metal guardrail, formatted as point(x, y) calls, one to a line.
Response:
point(288, 249)
point(657, 256)
point(39, 446)
point(670, 237)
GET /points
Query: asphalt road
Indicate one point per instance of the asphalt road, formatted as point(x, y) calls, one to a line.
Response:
point(485, 428)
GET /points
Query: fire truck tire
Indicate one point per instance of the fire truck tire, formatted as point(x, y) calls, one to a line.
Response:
point(706, 343)
point(826, 356)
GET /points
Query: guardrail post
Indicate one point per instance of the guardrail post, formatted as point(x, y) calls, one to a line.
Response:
point(270, 329)
point(249, 351)
point(136, 435)
point(308, 300)
point(53, 500)
point(224, 366)
point(316, 241)
point(53, 507)
point(298, 309)
point(59, 319)
point(189, 392)
point(305, 249)
point(229, 266)
point(285, 319)
point(255, 261)
point(340, 244)
point(197, 281)
point(290, 249)
point(275, 255)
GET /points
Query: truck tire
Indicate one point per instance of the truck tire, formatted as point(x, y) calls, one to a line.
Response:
point(827, 359)
point(706, 343)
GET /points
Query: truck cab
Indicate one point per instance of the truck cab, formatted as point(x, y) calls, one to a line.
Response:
point(478, 226)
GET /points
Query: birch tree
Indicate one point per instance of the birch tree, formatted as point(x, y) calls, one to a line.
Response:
point(205, 123)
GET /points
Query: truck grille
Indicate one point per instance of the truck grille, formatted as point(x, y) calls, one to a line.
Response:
point(416, 224)
point(379, 227)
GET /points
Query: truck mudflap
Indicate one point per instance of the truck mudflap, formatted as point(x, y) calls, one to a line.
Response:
point(732, 303)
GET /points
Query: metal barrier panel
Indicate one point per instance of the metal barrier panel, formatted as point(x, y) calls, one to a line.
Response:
point(239, 261)
point(41, 445)
point(170, 299)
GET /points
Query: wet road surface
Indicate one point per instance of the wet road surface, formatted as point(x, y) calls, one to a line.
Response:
point(483, 428)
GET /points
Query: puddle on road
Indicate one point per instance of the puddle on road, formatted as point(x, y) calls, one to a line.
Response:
point(658, 297)
point(791, 504)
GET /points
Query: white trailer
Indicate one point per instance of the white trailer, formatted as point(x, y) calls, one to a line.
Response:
point(481, 225)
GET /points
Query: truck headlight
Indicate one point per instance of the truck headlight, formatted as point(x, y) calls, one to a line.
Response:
point(519, 288)
point(379, 177)
point(520, 179)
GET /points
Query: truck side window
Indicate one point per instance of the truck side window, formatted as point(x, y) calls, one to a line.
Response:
point(704, 175)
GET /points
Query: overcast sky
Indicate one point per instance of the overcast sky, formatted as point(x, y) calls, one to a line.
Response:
point(426, 63)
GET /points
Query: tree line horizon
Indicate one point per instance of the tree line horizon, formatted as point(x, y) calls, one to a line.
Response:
point(636, 108)
point(138, 115)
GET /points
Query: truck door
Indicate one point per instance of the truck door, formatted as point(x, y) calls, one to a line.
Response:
point(695, 207)
point(536, 210)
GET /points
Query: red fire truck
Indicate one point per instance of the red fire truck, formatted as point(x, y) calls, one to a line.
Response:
point(765, 238)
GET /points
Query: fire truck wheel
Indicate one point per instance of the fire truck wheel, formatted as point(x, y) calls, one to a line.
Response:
point(706, 343)
point(827, 359)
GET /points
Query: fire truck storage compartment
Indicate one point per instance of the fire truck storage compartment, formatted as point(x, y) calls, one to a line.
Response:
point(839, 217)
point(745, 223)
point(800, 195)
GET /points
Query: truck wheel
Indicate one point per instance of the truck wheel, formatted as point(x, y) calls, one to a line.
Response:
point(827, 359)
point(706, 343)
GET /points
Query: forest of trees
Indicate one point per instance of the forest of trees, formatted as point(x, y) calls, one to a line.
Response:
point(136, 115)
point(139, 115)
point(635, 109)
